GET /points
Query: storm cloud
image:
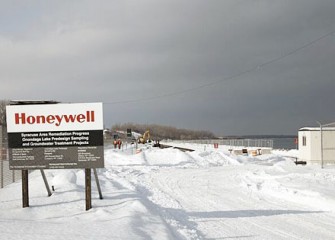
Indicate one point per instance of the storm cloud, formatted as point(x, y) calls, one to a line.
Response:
point(189, 64)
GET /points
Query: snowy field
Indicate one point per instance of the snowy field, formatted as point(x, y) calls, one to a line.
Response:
point(169, 194)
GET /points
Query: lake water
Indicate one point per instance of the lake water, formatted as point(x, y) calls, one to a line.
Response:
point(284, 143)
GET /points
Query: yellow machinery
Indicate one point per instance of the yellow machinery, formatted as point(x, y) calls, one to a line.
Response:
point(145, 137)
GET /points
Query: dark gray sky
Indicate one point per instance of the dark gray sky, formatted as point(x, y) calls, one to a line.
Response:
point(189, 64)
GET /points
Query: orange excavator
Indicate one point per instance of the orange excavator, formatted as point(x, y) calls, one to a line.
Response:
point(145, 137)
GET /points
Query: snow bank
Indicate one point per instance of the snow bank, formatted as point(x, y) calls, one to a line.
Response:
point(168, 194)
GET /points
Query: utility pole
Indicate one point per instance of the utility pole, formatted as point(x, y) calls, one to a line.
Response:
point(321, 143)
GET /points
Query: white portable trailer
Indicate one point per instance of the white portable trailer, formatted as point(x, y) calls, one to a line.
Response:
point(317, 145)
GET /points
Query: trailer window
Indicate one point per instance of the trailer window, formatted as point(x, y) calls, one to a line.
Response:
point(304, 141)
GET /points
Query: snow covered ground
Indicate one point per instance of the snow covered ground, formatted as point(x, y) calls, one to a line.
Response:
point(169, 194)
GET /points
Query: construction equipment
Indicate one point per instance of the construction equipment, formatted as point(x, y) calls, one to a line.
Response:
point(145, 137)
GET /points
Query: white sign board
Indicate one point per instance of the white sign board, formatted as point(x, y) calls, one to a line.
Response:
point(55, 135)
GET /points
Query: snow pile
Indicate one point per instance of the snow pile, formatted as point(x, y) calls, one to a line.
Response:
point(168, 194)
point(65, 178)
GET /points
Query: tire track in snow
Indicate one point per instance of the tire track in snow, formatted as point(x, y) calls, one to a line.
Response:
point(161, 204)
point(173, 185)
point(179, 184)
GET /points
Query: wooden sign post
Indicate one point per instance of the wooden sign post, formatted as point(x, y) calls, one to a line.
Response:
point(88, 189)
point(25, 189)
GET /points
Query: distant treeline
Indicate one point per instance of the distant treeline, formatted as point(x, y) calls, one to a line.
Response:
point(159, 132)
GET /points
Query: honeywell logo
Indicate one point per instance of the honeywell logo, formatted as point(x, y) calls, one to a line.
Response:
point(57, 120)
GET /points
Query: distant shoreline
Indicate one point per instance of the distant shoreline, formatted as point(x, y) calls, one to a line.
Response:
point(257, 136)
